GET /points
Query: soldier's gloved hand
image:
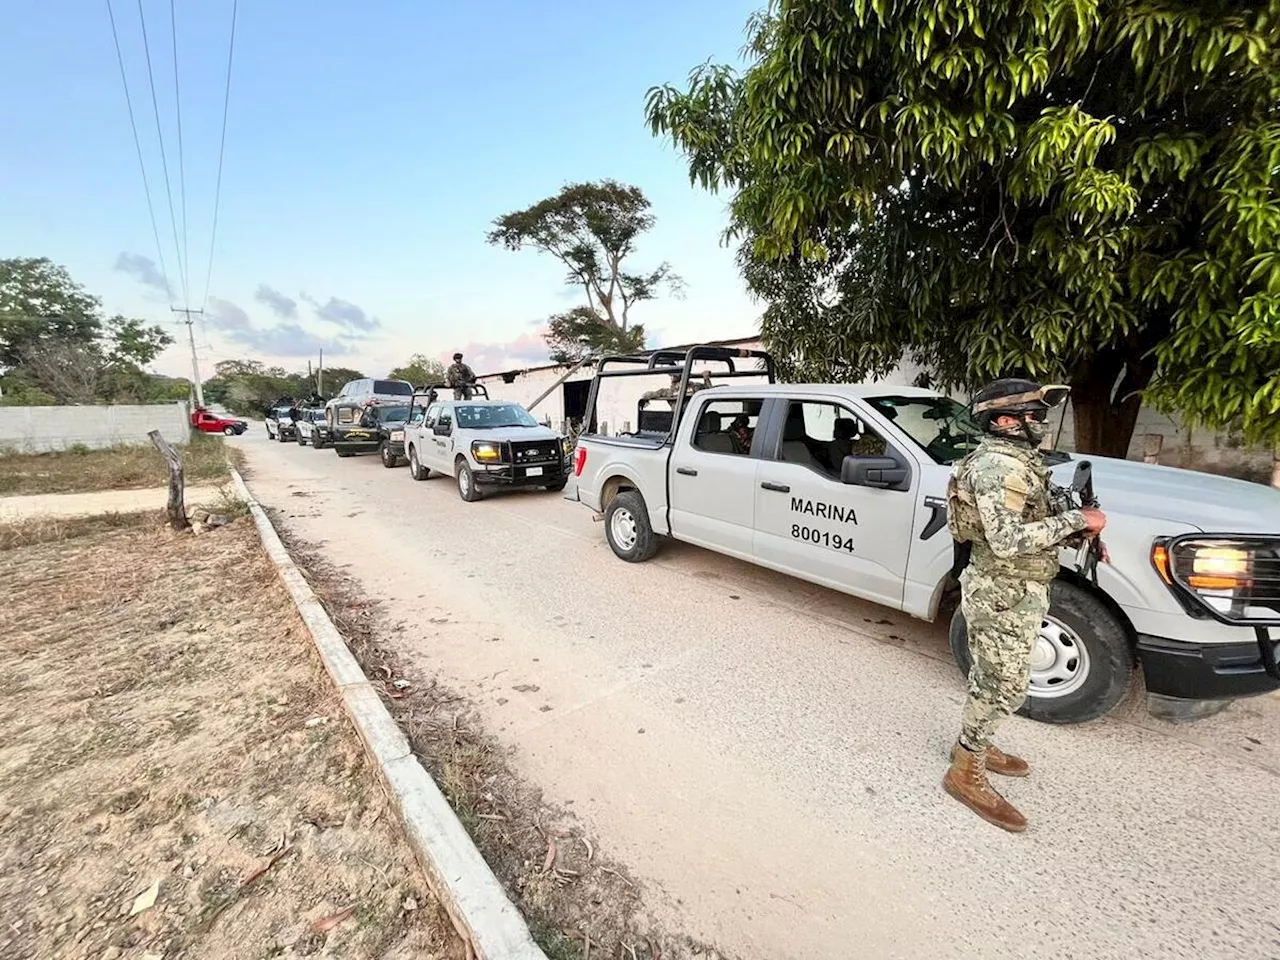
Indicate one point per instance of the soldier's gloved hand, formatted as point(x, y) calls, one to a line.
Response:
point(1096, 520)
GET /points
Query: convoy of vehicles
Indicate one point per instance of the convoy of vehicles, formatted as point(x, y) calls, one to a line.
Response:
point(844, 486)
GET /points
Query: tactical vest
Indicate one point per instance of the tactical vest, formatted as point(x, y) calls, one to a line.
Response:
point(965, 523)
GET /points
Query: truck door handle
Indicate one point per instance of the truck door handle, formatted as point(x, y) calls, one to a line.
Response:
point(775, 487)
point(686, 471)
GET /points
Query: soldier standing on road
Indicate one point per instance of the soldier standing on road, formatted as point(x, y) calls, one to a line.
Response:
point(460, 377)
point(999, 504)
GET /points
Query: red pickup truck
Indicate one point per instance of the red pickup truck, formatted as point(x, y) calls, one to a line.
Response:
point(207, 422)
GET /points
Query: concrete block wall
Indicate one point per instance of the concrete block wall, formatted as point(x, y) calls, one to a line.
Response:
point(1181, 446)
point(43, 429)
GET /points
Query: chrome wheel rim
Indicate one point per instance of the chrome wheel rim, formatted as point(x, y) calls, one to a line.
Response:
point(464, 483)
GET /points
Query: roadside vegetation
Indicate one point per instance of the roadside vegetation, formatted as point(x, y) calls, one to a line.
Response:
point(126, 467)
point(181, 780)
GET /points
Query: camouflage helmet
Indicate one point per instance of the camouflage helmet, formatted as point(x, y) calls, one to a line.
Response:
point(1015, 397)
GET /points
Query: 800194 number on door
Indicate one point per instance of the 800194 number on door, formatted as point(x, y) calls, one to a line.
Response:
point(824, 538)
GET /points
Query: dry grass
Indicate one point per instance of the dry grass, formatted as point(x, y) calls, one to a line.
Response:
point(164, 722)
point(81, 470)
point(48, 529)
point(568, 889)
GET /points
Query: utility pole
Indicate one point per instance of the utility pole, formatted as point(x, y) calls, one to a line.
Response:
point(320, 375)
point(195, 362)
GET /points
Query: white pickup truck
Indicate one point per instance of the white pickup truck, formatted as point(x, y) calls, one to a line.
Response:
point(844, 486)
point(483, 444)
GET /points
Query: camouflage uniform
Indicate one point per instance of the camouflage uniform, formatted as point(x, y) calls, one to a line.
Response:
point(999, 502)
point(460, 377)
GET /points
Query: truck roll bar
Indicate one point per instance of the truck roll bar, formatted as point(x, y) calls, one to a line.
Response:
point(675, 363)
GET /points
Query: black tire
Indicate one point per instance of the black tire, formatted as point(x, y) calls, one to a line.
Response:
point(317, 442)
point(645, 542)
point(416, 469)
point(389, 460)
point(301, 441)
point(1106, 643)
point(229, 431)
point(466, 480)
point(557, 486)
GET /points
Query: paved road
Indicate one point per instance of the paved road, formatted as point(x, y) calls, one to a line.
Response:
point(766, 755)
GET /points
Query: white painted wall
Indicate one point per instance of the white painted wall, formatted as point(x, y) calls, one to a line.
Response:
point(41, 429)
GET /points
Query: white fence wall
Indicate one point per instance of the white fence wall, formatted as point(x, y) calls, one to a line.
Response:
point(41, 429)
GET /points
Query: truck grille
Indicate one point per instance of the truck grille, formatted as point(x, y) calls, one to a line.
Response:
point(535, 451)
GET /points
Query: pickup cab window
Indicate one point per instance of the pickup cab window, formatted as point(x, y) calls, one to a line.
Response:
point(819, 435)
point(727, 426)
point(444, 421)
point(940, 426)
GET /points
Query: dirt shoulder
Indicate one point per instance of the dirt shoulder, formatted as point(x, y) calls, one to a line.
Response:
point(81, 470)
point(579, 903)
point(177, 778)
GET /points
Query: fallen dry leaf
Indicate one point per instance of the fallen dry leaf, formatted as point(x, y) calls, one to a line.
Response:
point(146, 899)
point(328, 923)
point(551, 855)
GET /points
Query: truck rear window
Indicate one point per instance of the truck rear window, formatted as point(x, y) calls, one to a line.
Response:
point(393, 388)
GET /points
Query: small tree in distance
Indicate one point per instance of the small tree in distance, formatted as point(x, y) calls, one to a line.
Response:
point(591, 228)
point(419, 370)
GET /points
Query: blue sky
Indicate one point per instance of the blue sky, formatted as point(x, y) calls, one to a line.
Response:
point(368, 149)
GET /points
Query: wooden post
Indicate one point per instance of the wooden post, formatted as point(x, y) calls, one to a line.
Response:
point(176, 508)
point(1151, 446)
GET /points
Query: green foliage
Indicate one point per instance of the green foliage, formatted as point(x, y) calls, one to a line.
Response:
point(419, 370)
point(592, 229)
point(247, 387)
point(55, 345)
point(581, 332)
point(1056, 188)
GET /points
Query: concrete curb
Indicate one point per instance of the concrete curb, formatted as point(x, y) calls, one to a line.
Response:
point(479, 908)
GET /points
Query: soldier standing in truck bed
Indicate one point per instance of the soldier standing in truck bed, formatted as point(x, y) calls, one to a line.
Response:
point(460, 377)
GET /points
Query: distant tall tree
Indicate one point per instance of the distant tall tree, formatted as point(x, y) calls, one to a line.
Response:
point(591, 228)
point(419, 370)
point(1061, 188)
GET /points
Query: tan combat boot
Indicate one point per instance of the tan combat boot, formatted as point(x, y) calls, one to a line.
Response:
point(966, 780)
point(1005, 764)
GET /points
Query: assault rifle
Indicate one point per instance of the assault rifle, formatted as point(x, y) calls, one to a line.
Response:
point(1090, 550)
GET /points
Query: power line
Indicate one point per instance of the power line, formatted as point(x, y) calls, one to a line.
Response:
point(146, 186)
point(164, 162)
point(182, 172)
point(222, 149)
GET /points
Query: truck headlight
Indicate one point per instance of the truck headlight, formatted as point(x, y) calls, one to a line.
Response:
point(1214, 568)
point(485, 451)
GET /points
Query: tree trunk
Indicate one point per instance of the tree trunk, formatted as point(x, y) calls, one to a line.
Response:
point(1105, 401)
point(177, 508)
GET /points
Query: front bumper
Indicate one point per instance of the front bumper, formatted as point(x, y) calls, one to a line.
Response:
point(1200, 671)
point(506, 475)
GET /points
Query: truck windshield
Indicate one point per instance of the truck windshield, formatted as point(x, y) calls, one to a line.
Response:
point(942, 427)
point(491, 416)
point(386, 414)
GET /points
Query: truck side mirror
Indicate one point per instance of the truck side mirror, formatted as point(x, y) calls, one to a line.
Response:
point(889, 472)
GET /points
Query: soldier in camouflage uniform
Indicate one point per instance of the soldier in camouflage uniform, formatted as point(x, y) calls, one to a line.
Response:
point(460, 377)
point(999, 504)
